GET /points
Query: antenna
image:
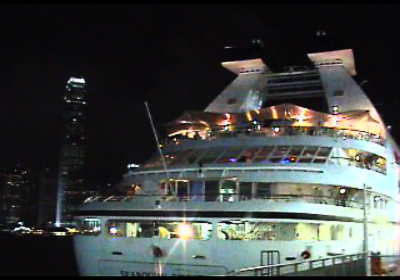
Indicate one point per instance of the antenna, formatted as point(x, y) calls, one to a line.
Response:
point(158, 145)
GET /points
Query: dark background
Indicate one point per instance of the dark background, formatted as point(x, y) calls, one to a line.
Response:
point(168, 55)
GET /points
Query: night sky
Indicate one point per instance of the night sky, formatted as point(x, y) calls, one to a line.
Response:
point(167, 55)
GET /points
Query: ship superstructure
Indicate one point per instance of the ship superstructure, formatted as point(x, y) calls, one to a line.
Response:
point(243, 183)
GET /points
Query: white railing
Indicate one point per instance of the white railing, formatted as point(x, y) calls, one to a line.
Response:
point(341, 265)
point(288, 131)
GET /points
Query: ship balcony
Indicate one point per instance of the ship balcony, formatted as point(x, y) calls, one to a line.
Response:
point(282, 198)
point(231, 201)
point(279, 131)
point(258, 154)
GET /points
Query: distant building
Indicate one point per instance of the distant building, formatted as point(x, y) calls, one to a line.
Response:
point(47, 196)
point(71, 186)
point(18, 195)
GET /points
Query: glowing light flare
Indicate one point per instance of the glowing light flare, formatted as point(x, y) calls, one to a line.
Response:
point(113, 230)
point(184, 131)
point(333, 121)
point(274, 113)
point(76, 80)
point(335, 109)
point(249, 118)
point(292, 159)
point(276, 129)
point(302, 115)
point(227, 121)
point(185, 231)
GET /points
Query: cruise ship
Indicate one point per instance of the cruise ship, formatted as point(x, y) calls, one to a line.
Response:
point(245, 183)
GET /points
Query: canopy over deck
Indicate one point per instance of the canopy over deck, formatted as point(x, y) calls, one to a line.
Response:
point(285, 114)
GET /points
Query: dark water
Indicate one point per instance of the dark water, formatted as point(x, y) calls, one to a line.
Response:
point(37, 256)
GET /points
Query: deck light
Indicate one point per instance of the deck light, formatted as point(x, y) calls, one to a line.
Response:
point(342, 191)
point(377, 198)
point(335, 109)
point(113, 230)
point(184, 231)
point(357, 157)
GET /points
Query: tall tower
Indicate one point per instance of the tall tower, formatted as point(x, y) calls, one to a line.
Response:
point(71, 187)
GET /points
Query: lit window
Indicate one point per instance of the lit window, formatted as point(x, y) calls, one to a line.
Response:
point(161, 229)
point(89, 226)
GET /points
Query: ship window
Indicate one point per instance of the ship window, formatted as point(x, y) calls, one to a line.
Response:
point(231, 155)
point(160, 229)
point(319, 160)
point(211, 155)
point(263, 154)
point(89, 226)
point(228, 190)
point(163, 189)
point(295, 150)
point(310, 151)
point(275, 159)
point(324, 232)
point(117, 229)
point(307, 231)
point(211, 190)
point(324, 151)
point(182, 189)
point(305, 160)
point(338, 232)
point(248, 155)
point(196, 190)
point(179, 158)
point(280, 151)
point(338, 93)
point(194, 156)
point(263, 190)
point(244, 230)
point(245, 190)
point(231, 101)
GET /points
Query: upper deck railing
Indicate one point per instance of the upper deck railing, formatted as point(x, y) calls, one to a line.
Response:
point(231, 197)
point(278, 131)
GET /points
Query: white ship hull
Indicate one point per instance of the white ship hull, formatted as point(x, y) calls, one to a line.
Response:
point(294, 184)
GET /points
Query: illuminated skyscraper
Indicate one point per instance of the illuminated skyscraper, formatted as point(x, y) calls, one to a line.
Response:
point(16, 189)
point(71, 187)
